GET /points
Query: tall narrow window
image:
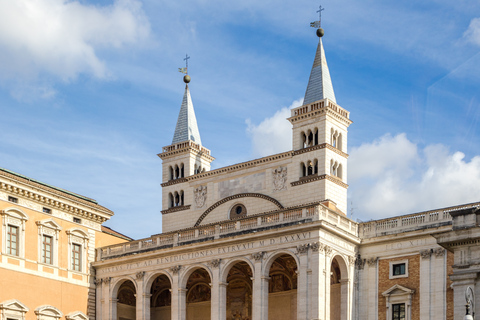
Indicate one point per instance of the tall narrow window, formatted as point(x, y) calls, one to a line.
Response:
point(76, 257)
point(398, 311)
point(12, 240)
point(47, 249)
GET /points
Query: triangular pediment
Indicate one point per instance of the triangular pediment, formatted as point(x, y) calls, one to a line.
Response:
point(13, 304)
point(76, 315)
point(397, 290)
point(49, 223)
point(15, 212)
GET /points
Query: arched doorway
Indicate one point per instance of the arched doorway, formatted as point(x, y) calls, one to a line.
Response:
point(282, 289)
point(126, 301)
point(239, 292)
point(338, 289)
point(161, 299)
point(198, 295)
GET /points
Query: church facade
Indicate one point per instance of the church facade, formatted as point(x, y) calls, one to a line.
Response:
point(269, 238)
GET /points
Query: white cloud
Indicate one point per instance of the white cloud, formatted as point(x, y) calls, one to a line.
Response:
point(473, 32)
point(273, 135)
point(62, 37)
point(391, 176)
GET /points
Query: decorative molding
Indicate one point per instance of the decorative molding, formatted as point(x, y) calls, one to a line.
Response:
point(360, 263)
point(174, 181)
point(318, 147)
point(328, 250)
point(279, 178)
point(176, 209)
point(425, 254)
point(139, 275)
point(372, 261)
point(215, 263)
point(313, 177)
point(439, 252)
point(351, 260)
point(175, 269)
point(200, 194)
point(303, 248)
point(107, 280)
point(317, 246)
point(50, 202)
point(258, 256)
point(236, 196)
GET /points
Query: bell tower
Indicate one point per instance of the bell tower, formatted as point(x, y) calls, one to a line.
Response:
point(184, 157)
point(320, 128)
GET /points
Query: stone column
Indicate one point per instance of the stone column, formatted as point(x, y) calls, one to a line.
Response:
point(218, 300)
point(326, 277)
point(260, 289)
point(316, 283)
point(371, 283)
point(439, 284)
point(177, 293)
point(425, 284)
point(302, 282)
point(142, 308)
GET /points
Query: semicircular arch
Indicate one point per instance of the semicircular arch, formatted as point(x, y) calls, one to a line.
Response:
point(237, 196)
point(274, 255)
point(229, 265)
point(188, 272)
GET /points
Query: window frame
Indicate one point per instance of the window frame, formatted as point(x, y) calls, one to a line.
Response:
point(398, 294)
point(47, 245)
point(79, 237)
point(52, 229)
point(399, 311)
point(398, 262)
point(17, 218)
point(13, 309)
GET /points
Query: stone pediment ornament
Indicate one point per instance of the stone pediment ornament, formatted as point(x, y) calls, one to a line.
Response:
point(257, 256)
point(200, 195)
point(175, 269)
point(397, 290)
point(76, 315)
point(215, 263)
point(279, 178)
point(303, 248)
point(13, 304)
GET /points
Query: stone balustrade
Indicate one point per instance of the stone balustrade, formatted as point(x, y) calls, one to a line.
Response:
point(308, 213)
point(428, 219)
point(318, 105)
point(184, 145)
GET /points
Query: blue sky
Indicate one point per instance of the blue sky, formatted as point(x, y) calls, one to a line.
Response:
point(90, 93)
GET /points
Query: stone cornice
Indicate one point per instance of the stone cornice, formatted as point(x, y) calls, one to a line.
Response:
point(184, 147)
point(175, 209)
point(325, 106)
point(318, 147)
point(312, 178)
point(241, 166)
point(101, 215)
point(175, 181)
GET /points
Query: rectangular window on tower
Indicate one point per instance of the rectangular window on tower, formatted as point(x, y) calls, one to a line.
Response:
point(47, 249)
point(76, 257)
point(12, 240)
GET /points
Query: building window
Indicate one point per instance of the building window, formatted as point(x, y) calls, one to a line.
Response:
point(13, 232)
point(398, 269)
point(13, 199)
point(238, 211)
point(77, 220)
point(12, 240)
point(47, 249)
point(47, 210)
point(398, 311)
point(48, 234)
point(76, 257)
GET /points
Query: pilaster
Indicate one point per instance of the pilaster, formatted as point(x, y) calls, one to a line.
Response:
point(260, 291)
point(302, 283)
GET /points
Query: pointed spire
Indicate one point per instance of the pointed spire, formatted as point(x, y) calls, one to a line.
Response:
point(320, 84)
point(186, 128)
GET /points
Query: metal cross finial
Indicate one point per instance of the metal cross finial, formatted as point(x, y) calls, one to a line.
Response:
point(317, 24)
point(186, 60)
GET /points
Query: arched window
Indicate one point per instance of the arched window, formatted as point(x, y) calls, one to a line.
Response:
point(181, 198)
point(182, 171)
point(177, 199)
point(304, 139)
point(303, 169)
point(315, 166)
point(339, 171)
point(310, 168)
point(339, 141)
point(316, 136)
point(177, 172)
point(170, 176)
point(310, 138)
point(171, 202)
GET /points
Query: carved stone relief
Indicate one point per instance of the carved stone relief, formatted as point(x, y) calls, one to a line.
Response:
point(425, 254)
point(258, 255)
point(175, 269)
point(200, 194)
point(215, 263)
point(372, 261)
point(302, 248)
point(279, 178)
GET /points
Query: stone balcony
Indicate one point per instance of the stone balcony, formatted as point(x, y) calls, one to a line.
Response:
point(256, 223)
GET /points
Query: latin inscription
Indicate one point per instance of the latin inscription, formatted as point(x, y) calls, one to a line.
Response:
point(405, 244)
point(211, 252)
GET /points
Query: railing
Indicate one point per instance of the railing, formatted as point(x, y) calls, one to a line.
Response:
point(186, 144)
point(320, 105)
point(311, 212)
